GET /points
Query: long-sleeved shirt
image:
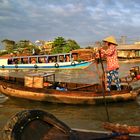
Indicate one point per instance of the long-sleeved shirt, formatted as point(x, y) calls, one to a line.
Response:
point(111, 57)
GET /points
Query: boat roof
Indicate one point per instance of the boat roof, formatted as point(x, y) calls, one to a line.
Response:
point(25, 56)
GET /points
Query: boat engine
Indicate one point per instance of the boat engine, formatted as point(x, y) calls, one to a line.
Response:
point(135, 72)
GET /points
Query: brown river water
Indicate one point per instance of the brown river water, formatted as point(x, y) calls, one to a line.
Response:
point(78, 116)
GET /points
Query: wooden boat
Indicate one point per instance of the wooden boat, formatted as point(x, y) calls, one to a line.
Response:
point(70, 93)
point(57, 61)
point(41, 125)
point(43, 87)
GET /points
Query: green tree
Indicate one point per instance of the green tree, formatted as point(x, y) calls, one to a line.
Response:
point(23, 43)
point(72, 44)
point(66, 49)
point(60, 45)
point(9, 45)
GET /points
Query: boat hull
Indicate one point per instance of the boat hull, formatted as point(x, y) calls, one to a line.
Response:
point(38, 124)
point(65, 97)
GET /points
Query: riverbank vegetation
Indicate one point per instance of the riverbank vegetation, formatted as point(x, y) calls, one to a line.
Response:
point(58, 45)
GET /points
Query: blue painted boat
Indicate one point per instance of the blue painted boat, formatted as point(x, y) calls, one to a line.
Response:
point(57, 61)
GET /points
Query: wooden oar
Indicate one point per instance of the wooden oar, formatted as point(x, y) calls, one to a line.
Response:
point(98, 71)
point(121, 128)
point(103, 86)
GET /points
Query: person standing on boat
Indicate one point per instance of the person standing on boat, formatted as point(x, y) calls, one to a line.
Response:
point(109, 51)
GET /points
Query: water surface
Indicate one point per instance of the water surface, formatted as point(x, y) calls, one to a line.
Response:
point(79, 116)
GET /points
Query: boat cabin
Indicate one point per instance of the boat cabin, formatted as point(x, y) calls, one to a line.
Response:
point(67, 57)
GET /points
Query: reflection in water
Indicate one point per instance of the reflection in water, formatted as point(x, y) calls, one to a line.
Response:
point(79, 116)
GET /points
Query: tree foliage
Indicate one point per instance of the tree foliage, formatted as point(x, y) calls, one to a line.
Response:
point(73, 44)
point(20, 46)
point(9, 45)
point(26, 45)
point(60, 45)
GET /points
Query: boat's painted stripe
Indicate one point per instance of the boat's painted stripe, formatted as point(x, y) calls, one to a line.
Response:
point(32, 66)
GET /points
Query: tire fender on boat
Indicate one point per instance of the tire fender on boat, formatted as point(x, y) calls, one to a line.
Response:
point(36, 124)
point(73, 63)
point(3, 66)
point(56, 65)
point(35, 66)
point(16, 66)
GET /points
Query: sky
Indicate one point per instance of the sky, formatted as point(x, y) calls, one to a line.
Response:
point(85, 21)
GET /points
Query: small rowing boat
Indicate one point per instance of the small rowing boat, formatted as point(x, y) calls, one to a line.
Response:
point(41, 125)
point(43, 87)
point(65, 93)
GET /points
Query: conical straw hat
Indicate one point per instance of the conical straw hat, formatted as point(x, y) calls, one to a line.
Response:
point(111, 39)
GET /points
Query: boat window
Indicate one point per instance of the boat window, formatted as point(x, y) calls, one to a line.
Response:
point(61, 58)
point(67, 58)
point(25, 60)
point(33, 60)
point(10, 61)
point(49, 59)
point(42, 59)
point(74, 56)
point(15, 61)
point(52, 59)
